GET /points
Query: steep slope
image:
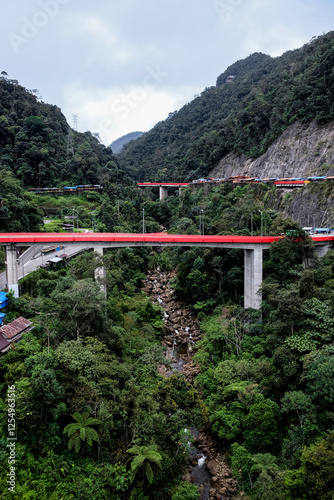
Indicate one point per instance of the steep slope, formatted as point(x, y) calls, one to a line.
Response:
point(40, 148)
point(254, 101)
point(301, 150)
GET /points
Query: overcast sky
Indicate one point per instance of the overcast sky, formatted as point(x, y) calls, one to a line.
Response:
point(122, 66)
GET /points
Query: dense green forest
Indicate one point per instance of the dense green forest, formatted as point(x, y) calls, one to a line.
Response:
point(40, 148)
point(244, 115)
point(90, 398)
point(96, 415)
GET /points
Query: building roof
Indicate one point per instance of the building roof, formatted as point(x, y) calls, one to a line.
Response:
point(14, 328)
point(4, 343)
point(55, 259)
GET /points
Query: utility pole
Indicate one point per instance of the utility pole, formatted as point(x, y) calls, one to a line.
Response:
point(143, 220)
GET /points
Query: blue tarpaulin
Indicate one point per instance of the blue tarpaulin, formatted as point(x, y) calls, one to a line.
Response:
point(4, 301)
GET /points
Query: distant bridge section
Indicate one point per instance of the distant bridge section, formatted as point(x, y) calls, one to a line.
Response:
point(163, 187)
point(253, 247)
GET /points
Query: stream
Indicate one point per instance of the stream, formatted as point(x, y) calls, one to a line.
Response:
point(179, 347)
point(200, 472)
point(208, 466)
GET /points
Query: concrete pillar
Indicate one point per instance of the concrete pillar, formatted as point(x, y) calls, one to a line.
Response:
point(12, 270)
point(163, 192)
point(253, 278)
point(100, 272)
point(322, 248)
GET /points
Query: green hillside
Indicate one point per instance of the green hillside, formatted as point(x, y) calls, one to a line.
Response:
point(38, 146)
point(97, 406)
point(242, 114)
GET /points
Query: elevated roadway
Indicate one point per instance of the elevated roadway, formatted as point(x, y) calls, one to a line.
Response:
point(253, 247)
point(163, 187)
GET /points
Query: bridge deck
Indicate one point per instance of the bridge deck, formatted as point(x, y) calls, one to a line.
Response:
point(155, 238)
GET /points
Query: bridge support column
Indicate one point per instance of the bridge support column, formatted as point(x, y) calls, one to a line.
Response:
point(12, 270)
point(163, 192)
point(100, 272)
point(253, 278)
point(322, 248)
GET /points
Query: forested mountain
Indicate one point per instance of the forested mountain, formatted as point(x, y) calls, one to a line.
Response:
point(38, 146)
point(250, 106)
point(117, 145)
point(100, 410)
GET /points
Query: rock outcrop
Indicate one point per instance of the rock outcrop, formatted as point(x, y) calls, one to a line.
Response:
point(223, 484)
point(301, 150)
point(181, 326)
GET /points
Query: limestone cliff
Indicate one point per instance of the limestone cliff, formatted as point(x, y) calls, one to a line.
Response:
point(302, 150)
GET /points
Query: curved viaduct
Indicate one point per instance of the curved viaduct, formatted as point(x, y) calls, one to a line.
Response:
point(253, 247)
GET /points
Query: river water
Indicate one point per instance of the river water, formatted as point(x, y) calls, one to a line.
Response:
point(199, 471)
point(176, 354)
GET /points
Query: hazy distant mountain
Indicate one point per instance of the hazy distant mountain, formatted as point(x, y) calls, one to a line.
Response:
point(117, 145)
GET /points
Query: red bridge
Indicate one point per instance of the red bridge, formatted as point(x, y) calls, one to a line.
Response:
point(253, 247)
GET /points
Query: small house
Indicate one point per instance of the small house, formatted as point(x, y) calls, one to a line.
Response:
point(12, 332)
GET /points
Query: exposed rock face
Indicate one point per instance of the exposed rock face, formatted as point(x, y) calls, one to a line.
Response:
point(302, 150)
point(310, 206)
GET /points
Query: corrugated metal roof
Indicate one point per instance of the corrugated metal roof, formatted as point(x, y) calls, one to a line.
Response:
point(55, 260)
point(15, 327)
point(3, 343)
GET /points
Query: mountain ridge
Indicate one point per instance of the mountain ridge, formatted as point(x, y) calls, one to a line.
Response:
point(244, 114)
point(117, 145)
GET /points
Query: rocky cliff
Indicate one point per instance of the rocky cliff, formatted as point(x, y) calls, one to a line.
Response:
point(302, 150)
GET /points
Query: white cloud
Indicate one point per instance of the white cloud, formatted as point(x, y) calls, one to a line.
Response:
point(106, 48)
point(115, 112)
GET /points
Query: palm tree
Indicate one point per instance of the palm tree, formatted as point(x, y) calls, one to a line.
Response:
point(141, 461)
point(80, 432)
point(264, 463)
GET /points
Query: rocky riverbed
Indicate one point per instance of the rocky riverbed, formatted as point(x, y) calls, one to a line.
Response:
point(182, 331)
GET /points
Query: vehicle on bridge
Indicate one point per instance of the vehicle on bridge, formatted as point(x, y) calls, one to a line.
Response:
point(54, 248)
